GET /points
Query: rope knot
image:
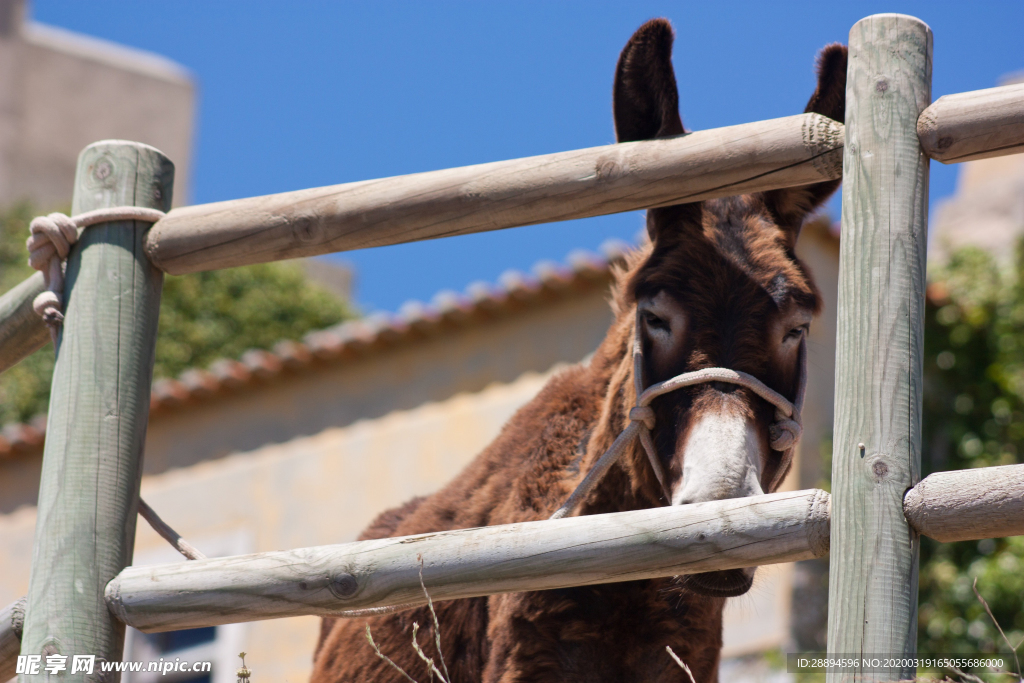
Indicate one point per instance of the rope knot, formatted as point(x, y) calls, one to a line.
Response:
point(50, 243)
point(784, 433)
point(643, 414)
point(48, 306)
point(53, 234)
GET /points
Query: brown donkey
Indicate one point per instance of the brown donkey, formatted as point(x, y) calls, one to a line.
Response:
point(718, 286)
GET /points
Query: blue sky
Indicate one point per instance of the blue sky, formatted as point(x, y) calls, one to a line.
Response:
point(301, 94)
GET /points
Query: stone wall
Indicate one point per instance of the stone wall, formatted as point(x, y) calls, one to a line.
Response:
point(61, 91)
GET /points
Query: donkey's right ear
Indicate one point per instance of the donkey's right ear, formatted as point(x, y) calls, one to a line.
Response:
point(645, 97)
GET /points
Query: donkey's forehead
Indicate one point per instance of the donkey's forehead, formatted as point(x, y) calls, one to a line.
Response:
point(737, 247)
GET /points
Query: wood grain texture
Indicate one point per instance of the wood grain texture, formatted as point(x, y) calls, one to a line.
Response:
point(589, 182)
point(877, 444)
point(974, 125)
point(576, 551)
point(22, 331)
point(12, 622)
point(99, 405)
point(962, 505)
point(967, 505)
point(752, 157)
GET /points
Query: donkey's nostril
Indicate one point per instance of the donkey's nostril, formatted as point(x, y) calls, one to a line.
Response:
point(724, 387)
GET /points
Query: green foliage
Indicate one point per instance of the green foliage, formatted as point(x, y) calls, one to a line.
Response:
point(13, 255)
point(222, 313)
point(203, 316)
point(973, 417)
point(25, 388)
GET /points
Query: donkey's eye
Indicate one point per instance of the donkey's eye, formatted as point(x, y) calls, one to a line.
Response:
point(796, 333)
point(656, 323)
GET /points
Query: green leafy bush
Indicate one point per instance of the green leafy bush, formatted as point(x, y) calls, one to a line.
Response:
point(973, 417)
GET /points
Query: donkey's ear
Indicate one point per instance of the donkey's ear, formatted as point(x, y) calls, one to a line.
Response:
point(645, 98)
point(791, 205)
point(829, 98)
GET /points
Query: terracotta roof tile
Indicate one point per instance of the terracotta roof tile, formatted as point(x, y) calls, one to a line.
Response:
point(262, 364)
point(231, 374)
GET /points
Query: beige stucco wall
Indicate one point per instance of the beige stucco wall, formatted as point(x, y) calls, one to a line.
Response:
point(338, 394)
point(60, 91)
point(310, 491)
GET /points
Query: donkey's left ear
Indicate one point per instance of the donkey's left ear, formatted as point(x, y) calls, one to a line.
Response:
point(791, 205)
point(644, 96)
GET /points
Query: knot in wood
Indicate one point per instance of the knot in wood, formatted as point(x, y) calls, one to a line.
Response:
point(343, 585)
point(606, 167)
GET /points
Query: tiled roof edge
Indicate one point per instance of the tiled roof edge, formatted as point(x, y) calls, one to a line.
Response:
point(479, 303)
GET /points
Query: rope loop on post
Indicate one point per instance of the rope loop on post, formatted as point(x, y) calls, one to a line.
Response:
point(50, 243)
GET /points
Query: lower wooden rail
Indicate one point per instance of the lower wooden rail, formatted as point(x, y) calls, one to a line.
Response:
point(968, 505)
point(644, 544)
point(669, 541)
point(12, 623)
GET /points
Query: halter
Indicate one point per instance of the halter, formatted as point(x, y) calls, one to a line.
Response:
point(784, 432)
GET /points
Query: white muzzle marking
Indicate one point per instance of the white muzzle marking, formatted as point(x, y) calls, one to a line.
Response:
point(721, 459)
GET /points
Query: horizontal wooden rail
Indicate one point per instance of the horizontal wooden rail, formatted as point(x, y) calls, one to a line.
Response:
point(968, 505)
point(21, 329)
point(668, 541)
point(750, 157)
point(974, 125)
point(780, 527)
point(12, 621)
point(555, 187)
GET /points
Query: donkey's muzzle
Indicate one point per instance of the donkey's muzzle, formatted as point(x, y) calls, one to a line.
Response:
point(727, 583)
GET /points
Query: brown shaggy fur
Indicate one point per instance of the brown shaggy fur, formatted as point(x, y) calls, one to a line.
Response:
point(730, 265)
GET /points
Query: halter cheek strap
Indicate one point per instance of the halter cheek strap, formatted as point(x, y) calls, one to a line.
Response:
point(784, 433)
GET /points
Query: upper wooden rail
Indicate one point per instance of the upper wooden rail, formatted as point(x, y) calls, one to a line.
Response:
point(751, 157)
point(555, 187)
point(974, 125)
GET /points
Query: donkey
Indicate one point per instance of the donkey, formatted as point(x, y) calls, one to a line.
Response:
point(717, 285)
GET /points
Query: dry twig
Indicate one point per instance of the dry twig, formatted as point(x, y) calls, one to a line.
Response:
point(681, 663)
point(1006, 640)
point(966, 676)
point(431, 667)
point(437, 626)
point(387, 659)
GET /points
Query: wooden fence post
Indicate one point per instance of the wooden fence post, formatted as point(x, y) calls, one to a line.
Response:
point(89, 488)
point(877, 444)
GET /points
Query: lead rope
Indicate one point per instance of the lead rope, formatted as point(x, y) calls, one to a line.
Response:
point(784, 433)
point(50, 243)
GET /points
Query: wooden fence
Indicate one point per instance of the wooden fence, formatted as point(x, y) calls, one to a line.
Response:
point(80, 601)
